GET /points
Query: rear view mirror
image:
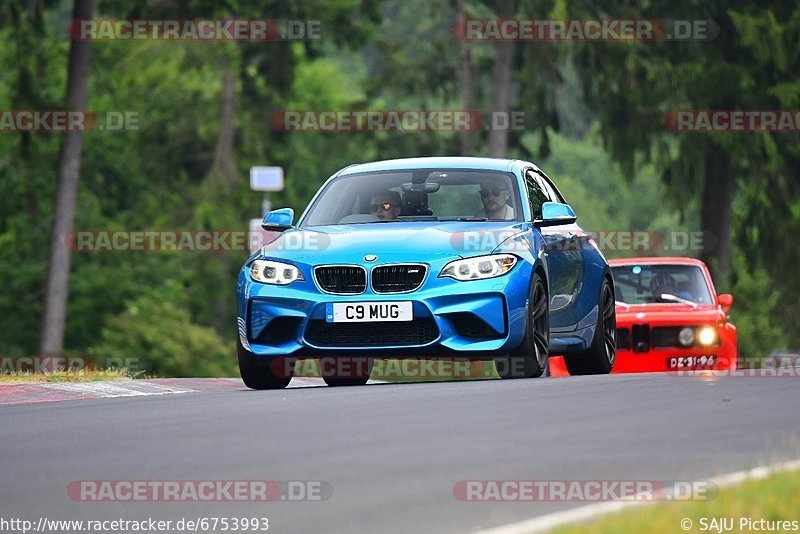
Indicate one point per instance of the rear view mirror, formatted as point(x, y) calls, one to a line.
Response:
point(278, 220)
point(726, 301)
point(428, 187)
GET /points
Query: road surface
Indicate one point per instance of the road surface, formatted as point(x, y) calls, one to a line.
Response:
point(392, 453)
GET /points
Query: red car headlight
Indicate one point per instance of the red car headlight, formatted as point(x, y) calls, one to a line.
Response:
point(686, 336)
point(707, 336)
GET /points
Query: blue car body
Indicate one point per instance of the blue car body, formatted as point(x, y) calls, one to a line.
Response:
point(285, 321)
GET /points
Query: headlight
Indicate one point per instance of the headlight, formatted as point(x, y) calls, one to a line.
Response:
point(480, 267)
point(686, 336)
point(707, 336)
point(274, 272)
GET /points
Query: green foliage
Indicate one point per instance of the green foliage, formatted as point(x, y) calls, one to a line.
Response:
point(756, 307)
point(605, 201)
point(164, 339)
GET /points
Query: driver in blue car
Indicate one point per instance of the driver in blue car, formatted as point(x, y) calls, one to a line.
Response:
point(495, 195)
point(385, 205)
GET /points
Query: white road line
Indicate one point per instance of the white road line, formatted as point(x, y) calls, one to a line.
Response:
point(115, 389)
point(585, 513)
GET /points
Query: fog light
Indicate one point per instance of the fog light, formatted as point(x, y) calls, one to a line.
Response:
point(707, 336)
point(686, 336)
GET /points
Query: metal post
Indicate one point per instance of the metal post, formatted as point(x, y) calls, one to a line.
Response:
point(266, 206)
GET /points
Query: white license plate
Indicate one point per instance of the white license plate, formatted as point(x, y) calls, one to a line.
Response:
point(691, 362)
point(368, 312)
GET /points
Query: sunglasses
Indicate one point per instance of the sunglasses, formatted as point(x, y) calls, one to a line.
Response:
point(386, 206)
point(493, 192)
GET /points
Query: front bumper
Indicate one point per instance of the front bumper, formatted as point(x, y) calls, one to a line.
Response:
point(674, 359)
point(668, 357)
point(476, 318)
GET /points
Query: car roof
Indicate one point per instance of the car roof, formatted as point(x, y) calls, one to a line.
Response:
point(449, 162)
point(657, 260)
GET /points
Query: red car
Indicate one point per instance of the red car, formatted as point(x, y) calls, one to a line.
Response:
point(669, 318)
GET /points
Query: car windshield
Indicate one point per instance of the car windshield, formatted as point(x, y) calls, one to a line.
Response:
point(649, 284)
point(416, 195)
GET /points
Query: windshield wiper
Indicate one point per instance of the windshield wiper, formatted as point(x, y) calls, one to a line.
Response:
point(673, 298)
point(417, 218)
point(448, 219)
point(404, 218)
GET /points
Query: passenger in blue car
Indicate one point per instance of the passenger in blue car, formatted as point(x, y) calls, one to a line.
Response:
point(495, 195)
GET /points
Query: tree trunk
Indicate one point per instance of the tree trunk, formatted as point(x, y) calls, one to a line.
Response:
point(223, 179)
point(223, 167)
point(501, 84)
point(69, 165)
point(715, 219)
point(465, 67)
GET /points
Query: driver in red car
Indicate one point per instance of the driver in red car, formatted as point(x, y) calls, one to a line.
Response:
point(665, 284)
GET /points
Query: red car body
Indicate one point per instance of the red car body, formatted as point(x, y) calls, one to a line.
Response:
point(647, 339)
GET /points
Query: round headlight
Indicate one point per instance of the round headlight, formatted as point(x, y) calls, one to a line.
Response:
point(480, 267)
point(274, 272)
point(686, 336)
point(707, 336)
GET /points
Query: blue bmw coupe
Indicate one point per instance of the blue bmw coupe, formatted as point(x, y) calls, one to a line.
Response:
point(446, 257)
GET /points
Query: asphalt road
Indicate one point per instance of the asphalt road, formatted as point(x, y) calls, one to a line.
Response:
point(392, 453)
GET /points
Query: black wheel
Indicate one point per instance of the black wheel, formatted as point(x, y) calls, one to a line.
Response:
point(600, 357)
point(531, 358)
point(257, 376)
point(356, 373)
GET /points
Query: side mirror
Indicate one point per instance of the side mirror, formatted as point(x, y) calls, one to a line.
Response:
point(726, 301)
point(278, 220)
point(554, 214)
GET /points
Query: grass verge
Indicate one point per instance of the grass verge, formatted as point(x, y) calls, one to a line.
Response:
point(82, 375)
point(774, 499)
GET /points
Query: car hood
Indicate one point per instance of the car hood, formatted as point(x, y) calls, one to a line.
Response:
point(668, 313)
point(394, 241)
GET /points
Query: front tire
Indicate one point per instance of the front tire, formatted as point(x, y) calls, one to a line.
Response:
point(257, 376)
point(531, 358)
point(602, 353)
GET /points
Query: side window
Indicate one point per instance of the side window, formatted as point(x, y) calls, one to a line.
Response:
point(552, 192)
point(536, 194)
